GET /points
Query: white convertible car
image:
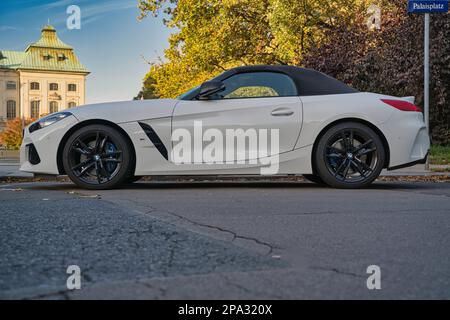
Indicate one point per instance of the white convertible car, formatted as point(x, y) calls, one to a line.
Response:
point(328, 132)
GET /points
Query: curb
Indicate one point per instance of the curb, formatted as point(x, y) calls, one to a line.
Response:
point(426, 177)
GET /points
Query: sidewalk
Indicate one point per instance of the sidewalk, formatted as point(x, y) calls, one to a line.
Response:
point(10, 169)
point(419, 170)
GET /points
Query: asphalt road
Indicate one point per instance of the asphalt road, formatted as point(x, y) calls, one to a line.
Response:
point(216, 241)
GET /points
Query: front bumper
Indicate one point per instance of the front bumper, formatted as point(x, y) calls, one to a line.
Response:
point(39, 150)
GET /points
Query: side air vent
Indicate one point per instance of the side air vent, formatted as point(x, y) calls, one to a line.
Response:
point(33, 155)
point(154, 138)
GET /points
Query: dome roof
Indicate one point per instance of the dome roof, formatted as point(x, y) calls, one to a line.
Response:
point(49, 39)
point(49, 53)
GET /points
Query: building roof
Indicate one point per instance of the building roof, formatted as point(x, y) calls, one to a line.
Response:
point(49, 53)
point(11, 59)
point(49, 39)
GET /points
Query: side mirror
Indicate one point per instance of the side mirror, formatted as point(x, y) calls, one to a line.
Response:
point(209, 88)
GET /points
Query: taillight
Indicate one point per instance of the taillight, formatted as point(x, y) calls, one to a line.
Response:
point(402, 105)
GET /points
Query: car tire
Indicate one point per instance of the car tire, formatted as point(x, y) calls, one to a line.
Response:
point(349, 155)
point(97, 157)
point(314, 178)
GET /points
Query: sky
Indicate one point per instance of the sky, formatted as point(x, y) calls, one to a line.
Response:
point(111, 43)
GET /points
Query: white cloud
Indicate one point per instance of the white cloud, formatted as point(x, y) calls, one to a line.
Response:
point(7, 28)
point(90, 10)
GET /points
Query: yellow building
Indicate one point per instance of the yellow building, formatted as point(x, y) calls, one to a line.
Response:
point(46, 78)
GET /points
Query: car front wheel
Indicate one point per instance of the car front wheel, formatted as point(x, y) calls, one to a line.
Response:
point(97, 157)
point(349, 155)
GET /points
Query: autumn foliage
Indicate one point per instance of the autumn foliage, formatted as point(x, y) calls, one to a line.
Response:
point(211, 36)
point(11, 136)
point(390, 60)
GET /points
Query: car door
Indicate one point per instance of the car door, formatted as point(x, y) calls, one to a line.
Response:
point(251, 101)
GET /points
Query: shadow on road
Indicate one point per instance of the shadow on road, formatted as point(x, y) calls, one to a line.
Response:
point(244, 185)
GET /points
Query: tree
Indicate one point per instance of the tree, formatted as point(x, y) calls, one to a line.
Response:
point(214, 35)
point(148, 89)
point(11, 136)
point(211, 36)
point(390, 60)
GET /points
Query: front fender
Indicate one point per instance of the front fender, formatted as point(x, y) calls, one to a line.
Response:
point(127, 111)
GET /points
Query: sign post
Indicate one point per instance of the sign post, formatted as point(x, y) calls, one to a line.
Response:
point(426, 62)
point(427, 7)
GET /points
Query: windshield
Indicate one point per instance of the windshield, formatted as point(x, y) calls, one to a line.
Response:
point(184, 95)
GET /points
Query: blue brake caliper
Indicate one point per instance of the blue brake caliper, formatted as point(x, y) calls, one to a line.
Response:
point(110, 166)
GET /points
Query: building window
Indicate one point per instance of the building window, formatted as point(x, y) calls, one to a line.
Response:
point(10, 109)
point(72, 87)
point(72, 104)
point(34, 112)
point(34, 86)
point(11, 85)
point(53, 87)
point(53, 107)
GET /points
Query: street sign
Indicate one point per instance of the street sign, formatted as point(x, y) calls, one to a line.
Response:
point(428, 6)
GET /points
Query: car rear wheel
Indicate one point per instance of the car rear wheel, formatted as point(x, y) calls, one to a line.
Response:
point(349, 155)
point(97, 157)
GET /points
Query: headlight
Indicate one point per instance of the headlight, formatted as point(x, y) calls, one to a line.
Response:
point(49, 120)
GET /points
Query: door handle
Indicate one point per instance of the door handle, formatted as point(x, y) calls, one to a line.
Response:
point(282, 112)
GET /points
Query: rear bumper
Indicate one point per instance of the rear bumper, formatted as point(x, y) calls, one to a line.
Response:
point(410, 164)
point(408, 140)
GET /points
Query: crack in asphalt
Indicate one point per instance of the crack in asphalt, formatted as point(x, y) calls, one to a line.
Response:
point(308, 213)
point(352, 212)
point(426, 193)
point(335, 270)
point(235, 236)
point(252, 293)
point(161, 290)
point(204, 225)
point(173, 247)
point(63, 293)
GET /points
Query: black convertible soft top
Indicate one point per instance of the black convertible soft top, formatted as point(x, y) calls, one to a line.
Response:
point(309, 82)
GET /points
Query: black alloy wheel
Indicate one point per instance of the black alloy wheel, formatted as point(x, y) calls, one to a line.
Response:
point(97, 157)
point(349, 155)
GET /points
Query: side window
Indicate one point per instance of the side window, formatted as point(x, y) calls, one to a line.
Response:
point(258, 85)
